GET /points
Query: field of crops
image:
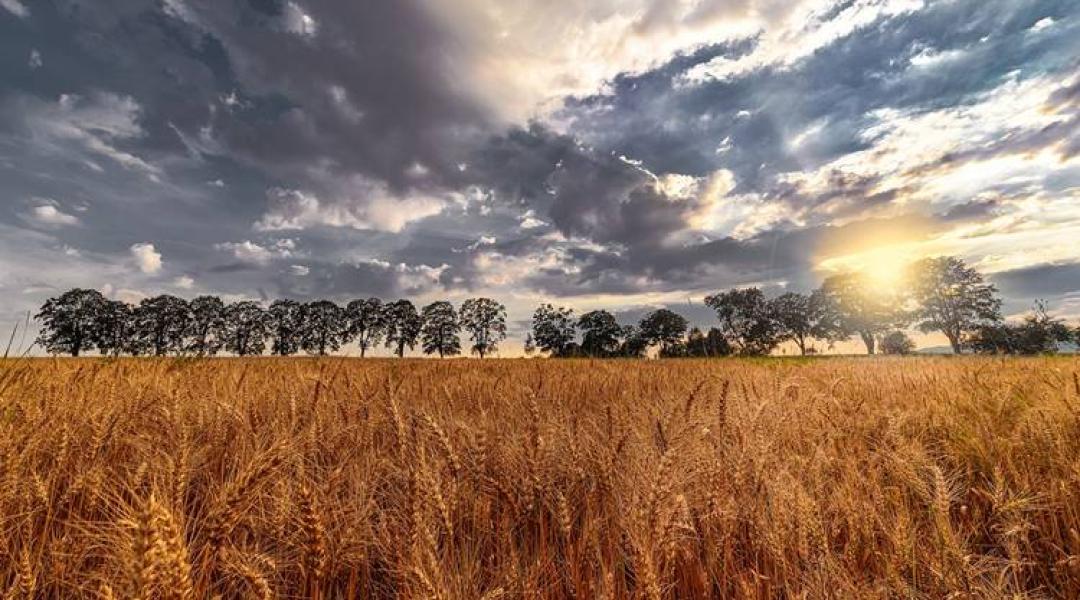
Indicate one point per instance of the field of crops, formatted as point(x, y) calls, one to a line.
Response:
point(466, 479)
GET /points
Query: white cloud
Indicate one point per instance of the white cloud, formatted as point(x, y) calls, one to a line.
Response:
point(16, 8)
point(529, 220)
point(93, 123)
point(361, 205)
point(47, 214)
point(1042, 24)
point(184, 282)
point(799, 32)
point(251, 252)
point(299, 270)
point(529, 53)
point(147, 258)
point(35, 61)
point(295, 20)
point(247, 251)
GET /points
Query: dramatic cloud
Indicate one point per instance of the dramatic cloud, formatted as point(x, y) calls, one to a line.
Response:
point(619, 153)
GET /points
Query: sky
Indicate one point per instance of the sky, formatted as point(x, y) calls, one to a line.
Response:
point(618, 154)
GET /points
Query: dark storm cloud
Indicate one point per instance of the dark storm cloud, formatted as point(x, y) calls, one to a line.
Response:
point(169, 121)
point(585, 192)
point(1040, 281)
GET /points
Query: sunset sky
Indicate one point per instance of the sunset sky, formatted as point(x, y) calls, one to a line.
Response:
point(623, 154)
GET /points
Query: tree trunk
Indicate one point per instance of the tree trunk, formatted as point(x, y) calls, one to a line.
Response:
point(954, 341)
point(363, 349)
point(802, 346)
point(868, 339)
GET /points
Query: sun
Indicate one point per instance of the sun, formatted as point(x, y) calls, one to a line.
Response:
point(885, 267)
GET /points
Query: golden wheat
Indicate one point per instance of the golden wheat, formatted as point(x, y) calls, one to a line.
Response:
point(342, 478)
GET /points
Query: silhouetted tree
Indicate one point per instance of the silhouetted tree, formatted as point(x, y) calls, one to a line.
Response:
point(402, 326)
point(485, 320)
point(68, 323)
point(439, 333)
point(1038, 333)
point(664, 328)
point(323, 327)
point(952, 298)
point(746, 320)
point(599, 333)
point(246, 328)
point(633, 343)
point(897, 342)
point(367, 323)
point(553, 329)
point(711, 344)
point(804, 317)
point(856, 308)
point(286, 324)
point(205, 330)
point(113, 331)
point(160, 325)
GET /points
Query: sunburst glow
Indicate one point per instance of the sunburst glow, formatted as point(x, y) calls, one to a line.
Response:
point(886, 267)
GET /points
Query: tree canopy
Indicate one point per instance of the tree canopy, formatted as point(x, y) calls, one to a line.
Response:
point(439, 333)
point(485, 321)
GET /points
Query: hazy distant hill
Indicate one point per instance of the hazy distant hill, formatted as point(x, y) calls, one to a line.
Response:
point(1066, 348)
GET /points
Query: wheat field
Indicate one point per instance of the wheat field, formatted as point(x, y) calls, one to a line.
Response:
point(466, 479)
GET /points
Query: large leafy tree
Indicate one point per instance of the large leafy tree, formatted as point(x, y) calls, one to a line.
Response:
point(114, 327)
point(553, 329)
point(855, 307)
point(205, 331)
point(246, 328)
point(485, 320)
point(439, 333)
point(952, 298)
point(68, 322)
point(802, 318)
point(323, 328)
point(367, 323)
point(663, 328)
point(286, 322)
point(711, 344)
point(160, 324)
point(402, 324)
point(746, 319)
point(600, 333)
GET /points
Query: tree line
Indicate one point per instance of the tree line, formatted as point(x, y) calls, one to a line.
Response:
point(941, 294)
point(83, 320)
